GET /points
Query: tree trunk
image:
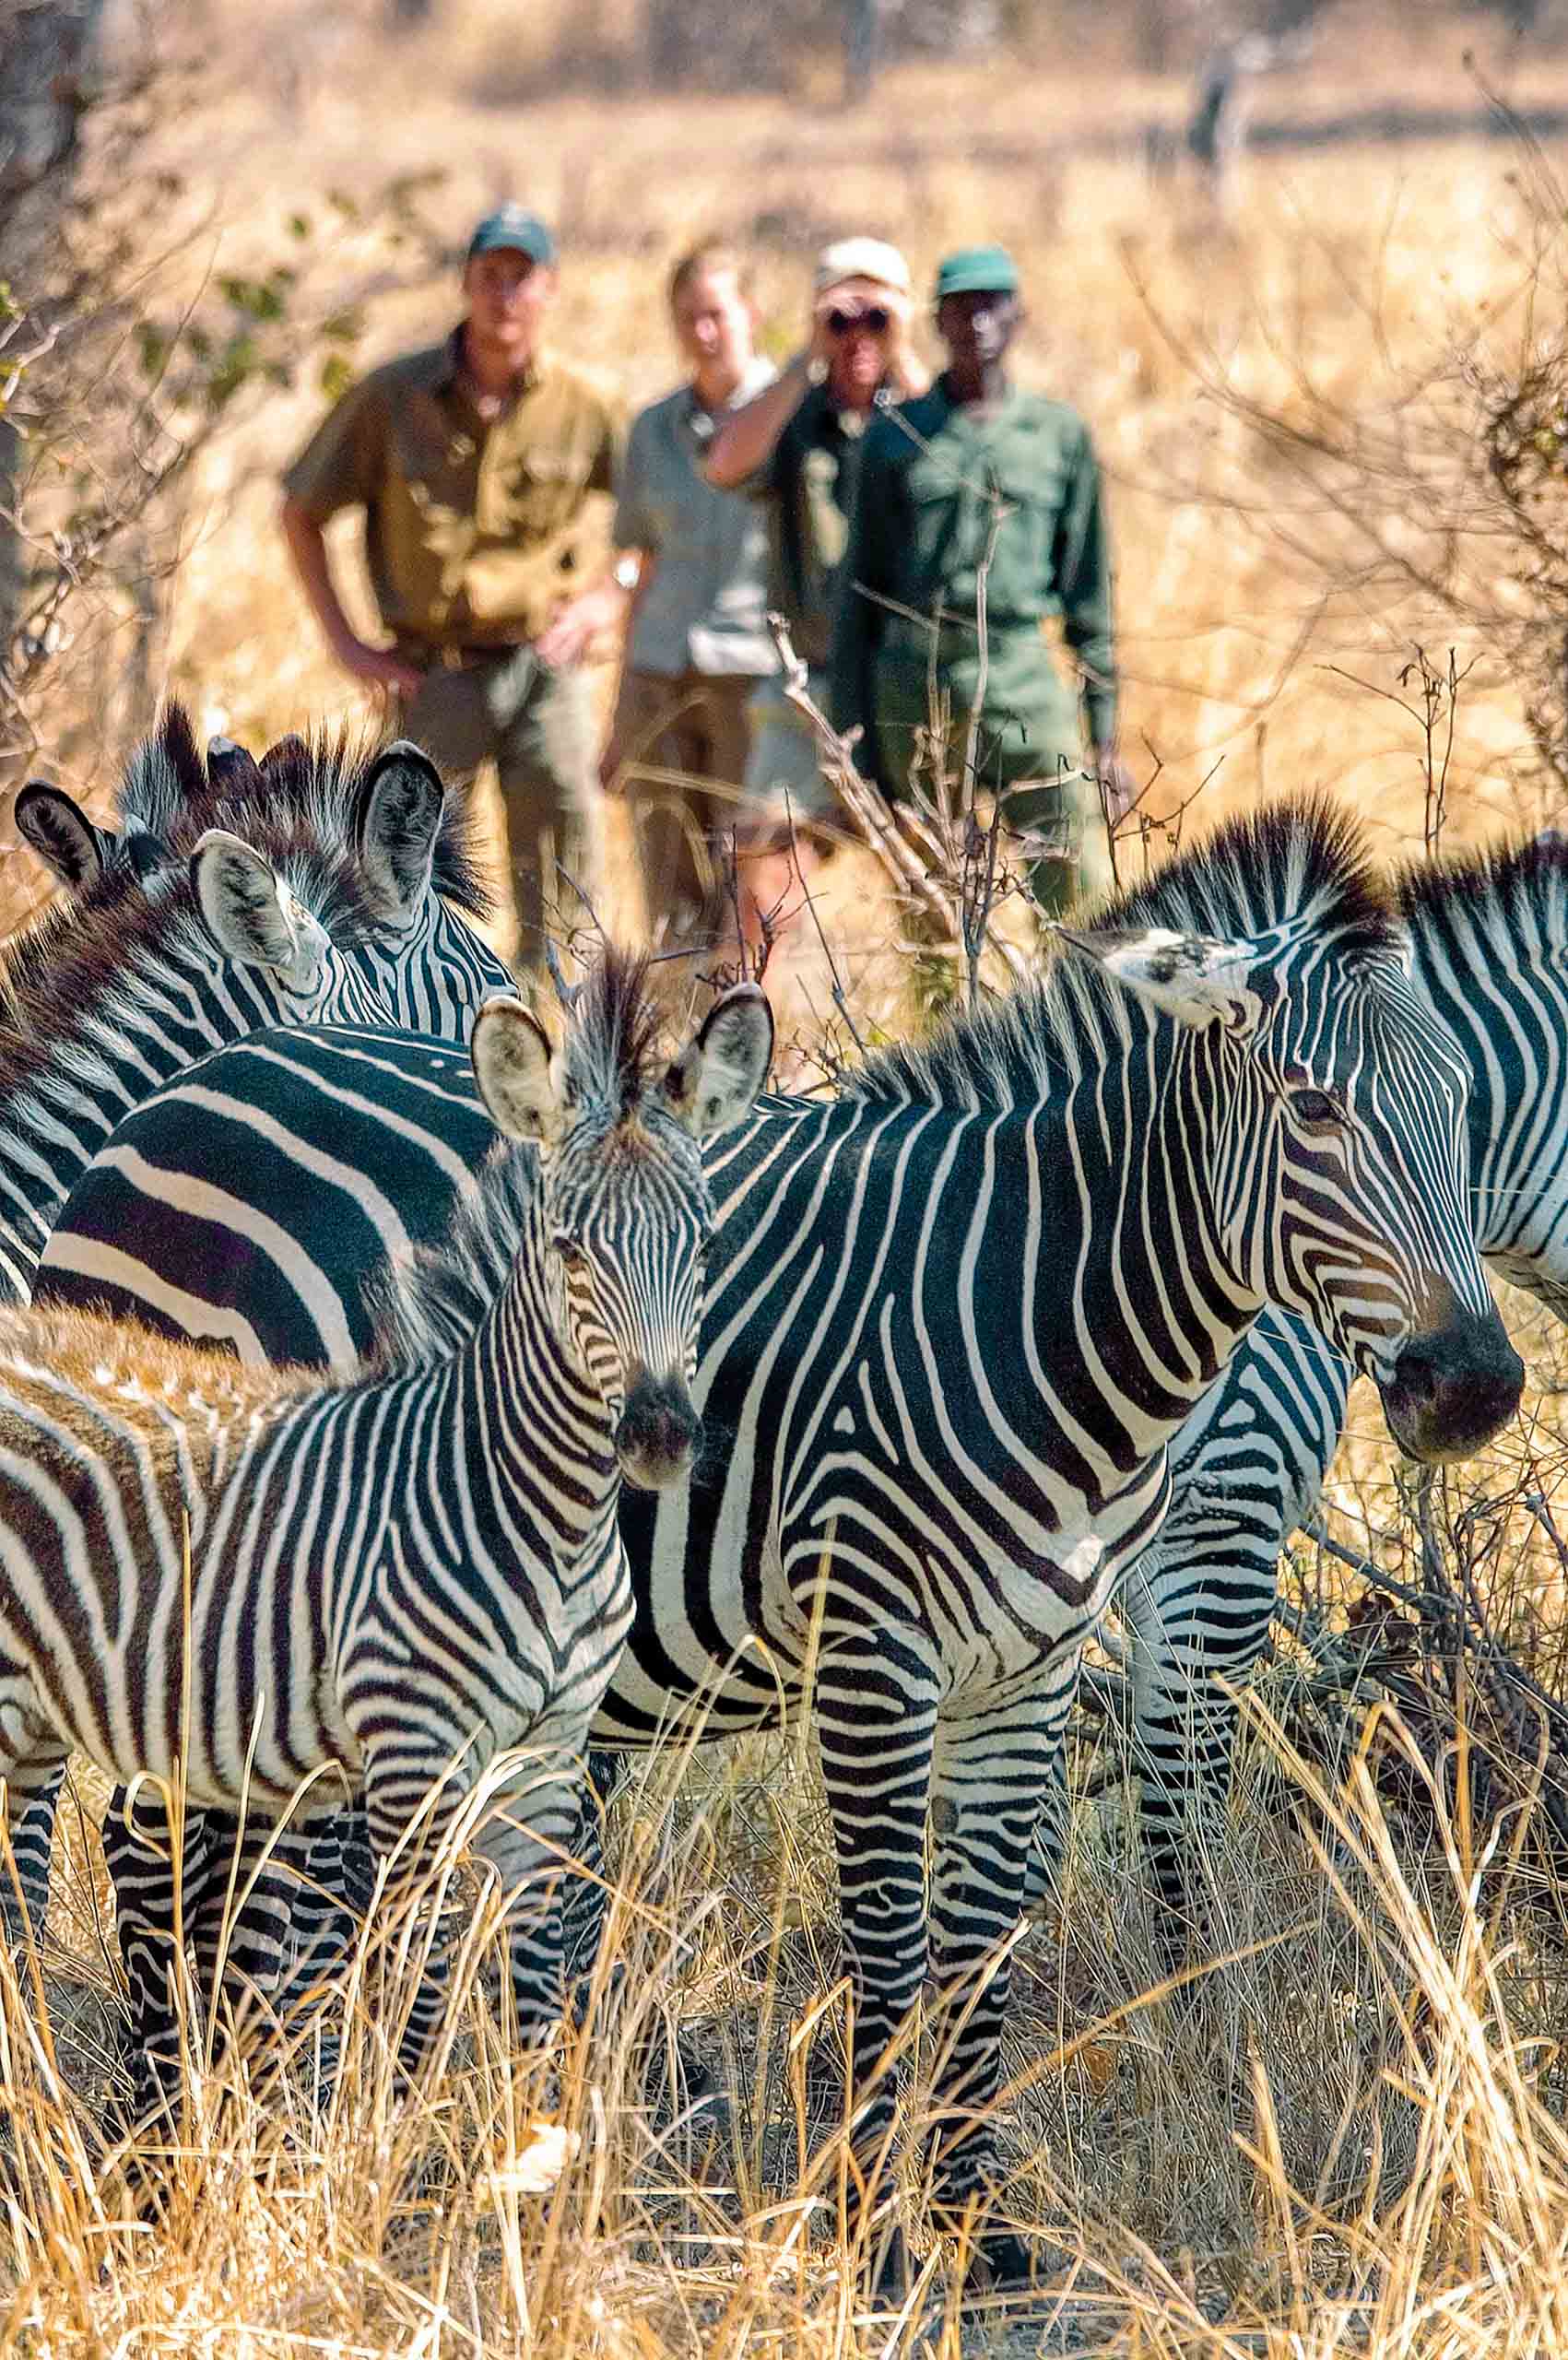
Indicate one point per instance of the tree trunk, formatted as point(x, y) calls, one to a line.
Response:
point(48, 50)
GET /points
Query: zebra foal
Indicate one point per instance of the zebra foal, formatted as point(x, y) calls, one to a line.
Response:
point(411, 1567)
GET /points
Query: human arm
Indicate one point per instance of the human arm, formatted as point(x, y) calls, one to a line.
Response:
point(601, 606)
point(377, 667)
point(1081, 568)
point(636, 567)
point(744, 444)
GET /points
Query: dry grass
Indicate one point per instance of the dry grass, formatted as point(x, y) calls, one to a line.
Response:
point(1351, 2137)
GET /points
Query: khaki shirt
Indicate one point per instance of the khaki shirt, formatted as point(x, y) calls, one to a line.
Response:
point(473, 529)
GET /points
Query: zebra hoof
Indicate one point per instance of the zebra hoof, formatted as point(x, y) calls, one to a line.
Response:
point(1004, 2263)
point(889, 2275)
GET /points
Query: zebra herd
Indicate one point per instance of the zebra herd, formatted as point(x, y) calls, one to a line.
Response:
point(1012, 1326)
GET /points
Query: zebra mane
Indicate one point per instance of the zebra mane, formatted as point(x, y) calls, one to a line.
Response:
point(1300, 861)
point(428, 1305)
point(608, 1053)
point(1513, 896)
point(302, 797)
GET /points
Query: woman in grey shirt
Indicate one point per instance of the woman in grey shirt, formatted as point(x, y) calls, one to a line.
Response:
point(697, 643)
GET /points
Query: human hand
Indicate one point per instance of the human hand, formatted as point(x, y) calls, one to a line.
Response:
point(612, 768)
point(906, 373)
point(379, 668)
point(1118, 785)
point(571, 632)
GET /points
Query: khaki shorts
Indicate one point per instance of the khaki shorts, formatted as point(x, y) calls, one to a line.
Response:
point(785, 771)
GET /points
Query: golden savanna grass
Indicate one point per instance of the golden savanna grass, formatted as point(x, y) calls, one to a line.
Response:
point(1350, 2137)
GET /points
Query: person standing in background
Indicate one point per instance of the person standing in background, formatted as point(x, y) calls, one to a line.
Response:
point(978, 473)
point(795, 450)
point(474, 463)
point(697, 643)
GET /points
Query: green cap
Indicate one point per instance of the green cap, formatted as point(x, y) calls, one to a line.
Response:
point(511, 227)
point(977, 270)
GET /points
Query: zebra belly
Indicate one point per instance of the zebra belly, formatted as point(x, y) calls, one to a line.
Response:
point(726, 1625)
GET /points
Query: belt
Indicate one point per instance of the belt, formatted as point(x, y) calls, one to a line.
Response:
point(457, 659)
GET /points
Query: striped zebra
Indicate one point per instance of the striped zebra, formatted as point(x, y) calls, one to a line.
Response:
point(1489, 930)
point(413, 1570)
point(957, 1314)
point(328, 879)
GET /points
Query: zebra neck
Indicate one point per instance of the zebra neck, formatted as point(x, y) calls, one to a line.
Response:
point(1506, 1019)
point(535, 1435)
point(1130, 1340)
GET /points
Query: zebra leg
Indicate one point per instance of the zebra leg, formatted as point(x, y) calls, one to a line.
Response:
point(990, 1772)
point(155, 1917)
point(876, 1695)
point(241, 1930)
point(25, 1903)
point(527, 1838)
point(1198, 1621)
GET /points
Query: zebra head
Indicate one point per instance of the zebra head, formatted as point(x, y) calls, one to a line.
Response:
point(379, 821)
point(625, 1211)
point(275, 947)
point(1328, 1106)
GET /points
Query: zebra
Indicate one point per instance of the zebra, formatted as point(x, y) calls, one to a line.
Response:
point(1228, 1093)
point(1490, 932)
point(331, 878)
point(411, 1570)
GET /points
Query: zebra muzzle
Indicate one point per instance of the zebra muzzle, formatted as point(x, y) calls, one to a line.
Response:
point(1453, 1388)
point(656, 1438)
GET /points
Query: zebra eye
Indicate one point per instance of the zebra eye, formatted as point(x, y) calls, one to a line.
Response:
point(571, 1252)
point(1316, 1109)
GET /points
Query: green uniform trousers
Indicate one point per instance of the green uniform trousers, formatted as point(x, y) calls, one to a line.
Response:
point(1030, 751)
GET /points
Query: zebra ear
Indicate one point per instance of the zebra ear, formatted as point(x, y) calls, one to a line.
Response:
point(232, 768)
point(250, 912)
point(713, 1081)
point(71, 846)
point(397, 825)
point(514, 1068)
point(1194, 977)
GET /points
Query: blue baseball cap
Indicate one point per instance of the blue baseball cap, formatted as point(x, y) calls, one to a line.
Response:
point(511, 227)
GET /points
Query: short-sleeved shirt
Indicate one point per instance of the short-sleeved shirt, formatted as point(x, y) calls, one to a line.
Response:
point(704, 607)
point(808, 488)
point(473, 527)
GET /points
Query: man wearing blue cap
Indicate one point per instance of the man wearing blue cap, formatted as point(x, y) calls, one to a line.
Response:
point(975, 471)
point(473, 462)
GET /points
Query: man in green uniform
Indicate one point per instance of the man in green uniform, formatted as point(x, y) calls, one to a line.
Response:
point(978, 475)
point(473, 463)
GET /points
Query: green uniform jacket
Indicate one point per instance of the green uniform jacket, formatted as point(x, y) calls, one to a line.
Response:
point(925, 511)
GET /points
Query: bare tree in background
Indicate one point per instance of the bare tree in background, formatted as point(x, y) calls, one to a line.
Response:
point(47, 53)
point(126, 350)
